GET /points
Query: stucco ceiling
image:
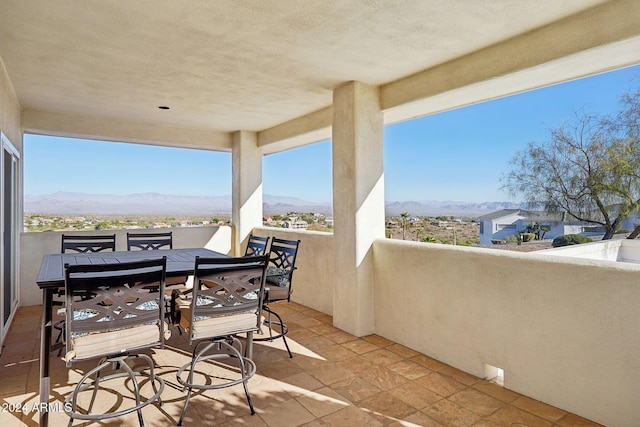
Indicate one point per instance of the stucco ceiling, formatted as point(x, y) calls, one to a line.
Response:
point(227, 65)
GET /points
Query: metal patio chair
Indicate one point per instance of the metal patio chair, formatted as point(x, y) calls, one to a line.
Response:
point(112, 314)
point(226, 301)
point(153, 242)
point(256, 246)
point(149, 241)
point(84, 244)
point(282, 260)
point(80, 244)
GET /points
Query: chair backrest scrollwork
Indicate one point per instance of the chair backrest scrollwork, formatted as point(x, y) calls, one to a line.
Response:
point(87, 244)
point(106, 298)
point(149, 241)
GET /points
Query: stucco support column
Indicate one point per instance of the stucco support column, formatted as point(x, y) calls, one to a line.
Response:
point(246, 187)
point(358, 202)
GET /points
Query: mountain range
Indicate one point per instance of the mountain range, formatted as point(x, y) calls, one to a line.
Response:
point(68, 203)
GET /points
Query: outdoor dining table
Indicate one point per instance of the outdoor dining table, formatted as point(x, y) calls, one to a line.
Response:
point(180, 262)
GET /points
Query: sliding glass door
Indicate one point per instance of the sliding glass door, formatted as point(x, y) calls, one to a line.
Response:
point(9, 223)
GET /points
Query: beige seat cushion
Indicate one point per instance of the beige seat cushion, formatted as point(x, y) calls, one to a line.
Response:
point(215, 326)
point(172, 281)
point(104, 343)
point(278, 293)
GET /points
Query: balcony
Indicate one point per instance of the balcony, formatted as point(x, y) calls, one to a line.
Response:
point(563, 330)
point(257, 78)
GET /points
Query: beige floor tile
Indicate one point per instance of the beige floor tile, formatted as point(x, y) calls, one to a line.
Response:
point(357, 364)
point(402, 350)
point(496, 391)
point(378, 340)
point(571, 420)
point(303, 381)
point(460, 376)
point(387, 405)
point(509, 416)
point(307, 322)
point(429, 362)
point(417, 419)
point(331, 373)
point(323, 402)
point(441, 384)
point(449, 414)
point(538, 408)
point(246, 421)
point(384, 378)
point(297, 334)
point(340, 337)
point(316, 343)
point(324, 329)
point(477, 402)
point(314, 423)
point(279, 369)
point(291, 318)
point(383, 357)
point(350, 416)
point(409, 369)
point(360, 346)
point(355, 389)
point(324, 318)
point(336, 352)
point(416, 395)
point(286, 414)
point(309, 363)
point(268, 392)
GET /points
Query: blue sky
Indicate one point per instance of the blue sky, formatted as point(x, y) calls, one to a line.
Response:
point(457, 155)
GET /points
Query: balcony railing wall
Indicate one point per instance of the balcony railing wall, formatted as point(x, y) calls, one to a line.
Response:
point(34, 245)
point(315, 277)
point(564, 330)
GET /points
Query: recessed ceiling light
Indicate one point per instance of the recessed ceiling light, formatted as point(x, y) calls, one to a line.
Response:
point(163, 107)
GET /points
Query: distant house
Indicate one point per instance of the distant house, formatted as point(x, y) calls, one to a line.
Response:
point(297, 224)
point(499, 225)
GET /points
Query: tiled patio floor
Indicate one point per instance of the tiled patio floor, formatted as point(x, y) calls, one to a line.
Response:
point(334, 379)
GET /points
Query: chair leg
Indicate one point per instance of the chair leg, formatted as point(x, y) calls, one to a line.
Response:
point(136, 391)
point(227, 347)
point(59, 325)
point(96, 386)
point(73, 397)
point(189, 389)
point(71, 406)
point(283, 329)
point(175, 314)
point(152, 375)
point(244, 383)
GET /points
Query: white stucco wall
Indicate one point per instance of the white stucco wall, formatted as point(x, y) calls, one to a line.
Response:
point(313, 280)
point(9, 110)
point(34, 245)
point(315, 276)
point(621, 250)
point(564, 330)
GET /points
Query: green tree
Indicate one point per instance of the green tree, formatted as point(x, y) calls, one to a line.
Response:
point(589, 170)
point(405, 216)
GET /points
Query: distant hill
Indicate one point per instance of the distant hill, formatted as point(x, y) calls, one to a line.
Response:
point(447, 207)
point(68, 203)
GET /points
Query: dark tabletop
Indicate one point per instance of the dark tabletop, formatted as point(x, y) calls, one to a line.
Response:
point(179, 262)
